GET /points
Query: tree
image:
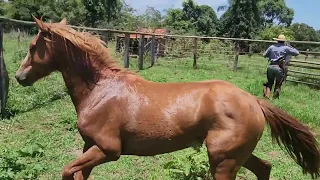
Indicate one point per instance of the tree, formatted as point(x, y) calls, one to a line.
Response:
point(276, 12)
point(127, 20)
point(207, 22)
point(268, 34)
point(223, 28)
point(176, 21)
point(2, 4)
point(304, 32)
point(72, 10)
point(272, 11)
point(22, 9)
point(152, 17)
point(112, 8)
point(242, 19)
point(192, 19)
point(100, 10)
point(274, 31)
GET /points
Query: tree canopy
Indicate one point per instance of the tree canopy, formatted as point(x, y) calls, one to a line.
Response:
point(276, 12)
point(241, 18)
point(303, 32)
point(193, 18)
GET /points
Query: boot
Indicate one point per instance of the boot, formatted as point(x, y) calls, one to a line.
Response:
point(266, 92)
point(276, 93)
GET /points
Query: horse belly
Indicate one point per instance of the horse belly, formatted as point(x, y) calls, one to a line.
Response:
point(159, 140)
point(151, 147)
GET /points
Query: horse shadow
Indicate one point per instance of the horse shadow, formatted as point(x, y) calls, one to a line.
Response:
point(12, 112)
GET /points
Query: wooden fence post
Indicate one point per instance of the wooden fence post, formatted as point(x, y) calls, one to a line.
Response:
point(141, 52)
point(195, 51)
point(236, 58)
point(118, 45)
point(19, 38)
point(307, 54)
point(126, 50)
point(105, 37)
point(4, 78)
point(153, 50)
point(250, 49)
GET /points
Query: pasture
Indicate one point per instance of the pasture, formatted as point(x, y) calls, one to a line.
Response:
point(41, 136)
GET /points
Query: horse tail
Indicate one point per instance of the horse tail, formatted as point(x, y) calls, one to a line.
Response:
point(297, 139)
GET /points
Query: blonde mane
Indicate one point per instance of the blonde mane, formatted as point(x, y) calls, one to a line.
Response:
point(85, 51)
point(87, 42)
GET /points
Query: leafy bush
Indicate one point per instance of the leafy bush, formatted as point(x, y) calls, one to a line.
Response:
point(15, 164)
point(194, 165)
point(268, 34)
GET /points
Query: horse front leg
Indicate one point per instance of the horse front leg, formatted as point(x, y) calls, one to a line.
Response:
point(84, 164)
point(85, 172)
point(88, 160)
point(107, 138)
point(104, 146)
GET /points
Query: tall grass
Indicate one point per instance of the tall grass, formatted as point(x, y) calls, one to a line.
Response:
point(42, 137)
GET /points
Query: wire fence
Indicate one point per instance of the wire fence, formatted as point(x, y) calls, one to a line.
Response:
point(147, 48)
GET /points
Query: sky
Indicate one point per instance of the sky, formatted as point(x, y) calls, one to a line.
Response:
point(305, 11)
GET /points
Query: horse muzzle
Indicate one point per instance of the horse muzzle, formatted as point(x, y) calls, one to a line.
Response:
point(21, 77)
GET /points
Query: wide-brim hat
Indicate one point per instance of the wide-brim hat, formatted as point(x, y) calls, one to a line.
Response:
point(281, 37)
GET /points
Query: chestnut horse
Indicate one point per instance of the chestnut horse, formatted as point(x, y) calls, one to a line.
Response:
point(120, 113)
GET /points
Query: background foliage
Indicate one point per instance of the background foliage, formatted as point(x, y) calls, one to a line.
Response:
point(263, 19)
point(42, 136)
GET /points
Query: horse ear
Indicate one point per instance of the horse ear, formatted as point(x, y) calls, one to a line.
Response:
point(63, 21)
point(39, 23)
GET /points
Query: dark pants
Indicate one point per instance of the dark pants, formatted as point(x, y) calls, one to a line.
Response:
point(275, 74)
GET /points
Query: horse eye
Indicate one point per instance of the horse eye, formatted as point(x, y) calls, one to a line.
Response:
point(46, 34)
point(31, 47)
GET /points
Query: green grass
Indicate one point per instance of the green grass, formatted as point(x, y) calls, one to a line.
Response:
point(42, 137)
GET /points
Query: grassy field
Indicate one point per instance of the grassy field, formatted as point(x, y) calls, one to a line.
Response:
point(41, 136)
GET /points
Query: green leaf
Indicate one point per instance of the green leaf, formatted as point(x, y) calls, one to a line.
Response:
point(177, 171)
point(187, 169)
point(169, 165)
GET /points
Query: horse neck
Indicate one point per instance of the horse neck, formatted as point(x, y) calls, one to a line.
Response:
point(77, 89)
point(77, 76)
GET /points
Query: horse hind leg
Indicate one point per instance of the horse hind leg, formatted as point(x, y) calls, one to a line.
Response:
point(227, 153)
point(259, 167)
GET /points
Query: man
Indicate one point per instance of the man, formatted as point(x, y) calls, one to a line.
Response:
point(277, 55)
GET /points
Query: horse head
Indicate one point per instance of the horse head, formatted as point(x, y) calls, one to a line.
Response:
point(40, 60)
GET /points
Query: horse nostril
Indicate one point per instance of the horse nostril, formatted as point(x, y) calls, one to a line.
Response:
point(18, 75)
point(18, 78)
